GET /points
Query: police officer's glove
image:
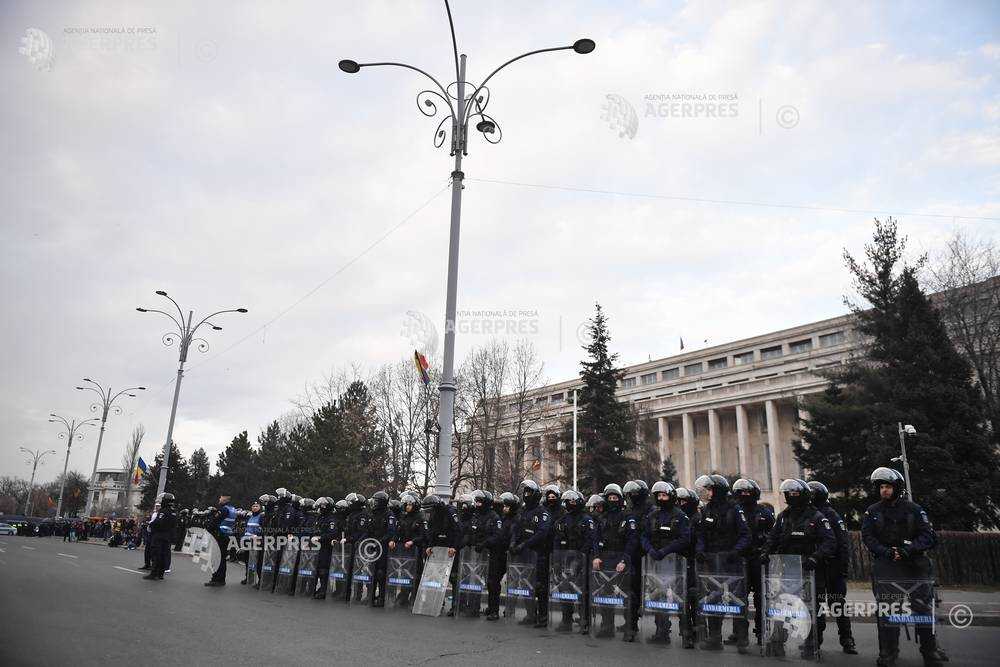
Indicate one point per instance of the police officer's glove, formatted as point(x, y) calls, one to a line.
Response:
point(903, 552)
point(516, 549)
point(808, 564)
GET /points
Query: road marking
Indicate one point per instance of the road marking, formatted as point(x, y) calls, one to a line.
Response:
point(29, 548)
point(125, 569)
point(67, 555)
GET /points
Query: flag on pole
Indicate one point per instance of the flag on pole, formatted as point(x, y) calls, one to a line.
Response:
point(422, 366)
point(140, 469)
point(682, 342)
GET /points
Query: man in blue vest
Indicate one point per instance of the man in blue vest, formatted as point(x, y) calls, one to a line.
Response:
point(222, 526)
point(252, 538)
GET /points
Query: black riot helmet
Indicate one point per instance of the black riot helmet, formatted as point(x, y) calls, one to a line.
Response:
point(530, 493)
point(688, 500)
point(595, 504)
point(479, 503)
point(283, 494)
point(489, 497)
point(306, 504)
point(341, 507)
point(432, 503)
point(669, 490)
point(410, 502)
point(636, 492)
point(380, 501)
point(795, 491)
point(718, 484)
point(746, 491)
point(324, 505)
point(572, 501)
point(510, 503)
point(552, 495)
point(820, 494)
point(167, 501)
point(612, 497)
point(891, 476)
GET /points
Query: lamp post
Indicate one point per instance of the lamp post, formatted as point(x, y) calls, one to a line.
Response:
point(184, 336)
point(903, 432)
point(36, 456)
point(461, 108)
point(71, 432)
point(106, 404)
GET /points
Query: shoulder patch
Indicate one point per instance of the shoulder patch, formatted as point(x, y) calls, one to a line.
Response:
point(826, 523)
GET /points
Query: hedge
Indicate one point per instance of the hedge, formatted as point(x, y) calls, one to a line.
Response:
point(959, 558)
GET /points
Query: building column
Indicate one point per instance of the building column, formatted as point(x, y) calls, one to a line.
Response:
point(803, 416)
point(771, 414)
point(713, 440)
point(688, 449)
point(663, 430)
point(743, 440)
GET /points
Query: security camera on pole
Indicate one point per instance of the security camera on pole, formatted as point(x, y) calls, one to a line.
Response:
point(462, 108)
point(903, 432)
point(184, 336)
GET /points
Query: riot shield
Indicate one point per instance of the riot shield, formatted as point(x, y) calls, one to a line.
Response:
point(789, 600)
point(284, 581)
point(664, 591)
point(186, 547)
point(722, 593)
point(254, 554)
point(340, 570)
point(568, 578)
point(433, 583)
point(362, 577)
point(268, 564)
point(305, 581)
point(473, 567)
point(904, 596)
point(519, 590)
point(609, 595)
point(401, 578)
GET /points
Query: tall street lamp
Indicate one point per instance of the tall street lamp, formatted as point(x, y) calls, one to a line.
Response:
point(36, 456)
point(185, 335)
point(71, 432)
point(106, 404)
point(462, 109)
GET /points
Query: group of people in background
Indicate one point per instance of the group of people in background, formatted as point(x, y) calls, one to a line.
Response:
point(711, 522)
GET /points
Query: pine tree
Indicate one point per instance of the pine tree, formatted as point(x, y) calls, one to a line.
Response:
point(911, 373)
point(200, 470)
point(178, 480)
point(239, 475)
point(668, 472)
point(607, 441)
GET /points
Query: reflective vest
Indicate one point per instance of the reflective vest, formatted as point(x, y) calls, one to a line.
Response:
point(253, 525)
point(228, 520)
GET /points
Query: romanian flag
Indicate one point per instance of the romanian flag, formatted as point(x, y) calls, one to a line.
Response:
point(140, 468)
point(422, 366)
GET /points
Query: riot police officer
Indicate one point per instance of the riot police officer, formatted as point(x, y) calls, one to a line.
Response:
point(760, 521)
point(223, 523)
point(617, 533)
point(687, 501)
point(481, 533)
point(381, 527)
point(575, 530)
point(252, 537)
point(410, 538)
point(800, 529)
point(498, 557)
point(834, 570)
point(595, 506)
point(665, 530)
point(637, 507)
point(181, 531)
point(552, 499)
point(898, 534)
point(722, 529)
point(161, 529)
point(531, 531)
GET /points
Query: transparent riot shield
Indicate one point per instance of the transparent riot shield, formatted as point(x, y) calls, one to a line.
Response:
point(340, 571)
point(401, 578)
point(284, 580)
point(186, 547)
point(568, 601)
point(433, 583)
point(519, 589)
point(903, 596)
point(473, 567)
point(254, 554)
point(362, 576)
point(789, 600)
point(268, 566)
point(305, 578)
point(609, 595)
point(664, 597)
point(722, 593)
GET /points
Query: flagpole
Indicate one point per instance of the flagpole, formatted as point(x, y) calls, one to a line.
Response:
point(574, 440)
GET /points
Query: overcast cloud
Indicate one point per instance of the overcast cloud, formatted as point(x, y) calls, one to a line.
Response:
point(218, 153)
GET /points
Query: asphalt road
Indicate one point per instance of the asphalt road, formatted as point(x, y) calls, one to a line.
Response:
point(84, 604)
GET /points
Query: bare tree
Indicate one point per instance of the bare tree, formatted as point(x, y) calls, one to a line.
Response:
point(966, 277)
point(130, 458)
point(484, 376)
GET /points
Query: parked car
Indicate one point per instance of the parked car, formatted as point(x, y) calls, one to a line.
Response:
point(7, 529)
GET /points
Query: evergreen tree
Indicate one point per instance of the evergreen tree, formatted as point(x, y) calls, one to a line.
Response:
point(668, 472)
point(911, 373)
point(238, 472)
point(607, 442)
point(273, 460)
point(198, 466)
point(178, 480)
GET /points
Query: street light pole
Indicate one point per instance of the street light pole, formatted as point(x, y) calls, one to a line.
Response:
point(462, 108)
point(903, 430)
point(575, 488)
point(107, 404)
point(184, 336)
point(36, 456)
point(72, 428)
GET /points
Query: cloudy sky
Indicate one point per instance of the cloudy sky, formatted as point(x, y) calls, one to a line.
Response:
point(215, 151)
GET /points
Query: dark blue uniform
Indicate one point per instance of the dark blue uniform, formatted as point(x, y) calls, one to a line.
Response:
point(834, 575)
point(531, 531)
point(576, 531)
point(722, 529)
point(665, 531)
point(331, 530)
point(760, 521)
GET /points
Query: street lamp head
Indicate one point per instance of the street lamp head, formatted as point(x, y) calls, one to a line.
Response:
point(241, 310)
point(349, 66)
point(910, 430)
point(130, 395)
point(161, 292)
point(142, 310)
point(52, 414)
point(486, 126)
point(215, 328)
point(583, 46)
point(141, 388)
point(87, 380)
point(79, 387)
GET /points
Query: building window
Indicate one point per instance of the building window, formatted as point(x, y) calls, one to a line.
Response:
point(716, 363)
point(671, 374)
point(693, 369)
point(800, 346)
point(556, 398)
point(648, 378)
point(628, 383)
point(540, 400)
point(763, 422)
point(831, 339)
point(743, 359)
point(770, 353)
